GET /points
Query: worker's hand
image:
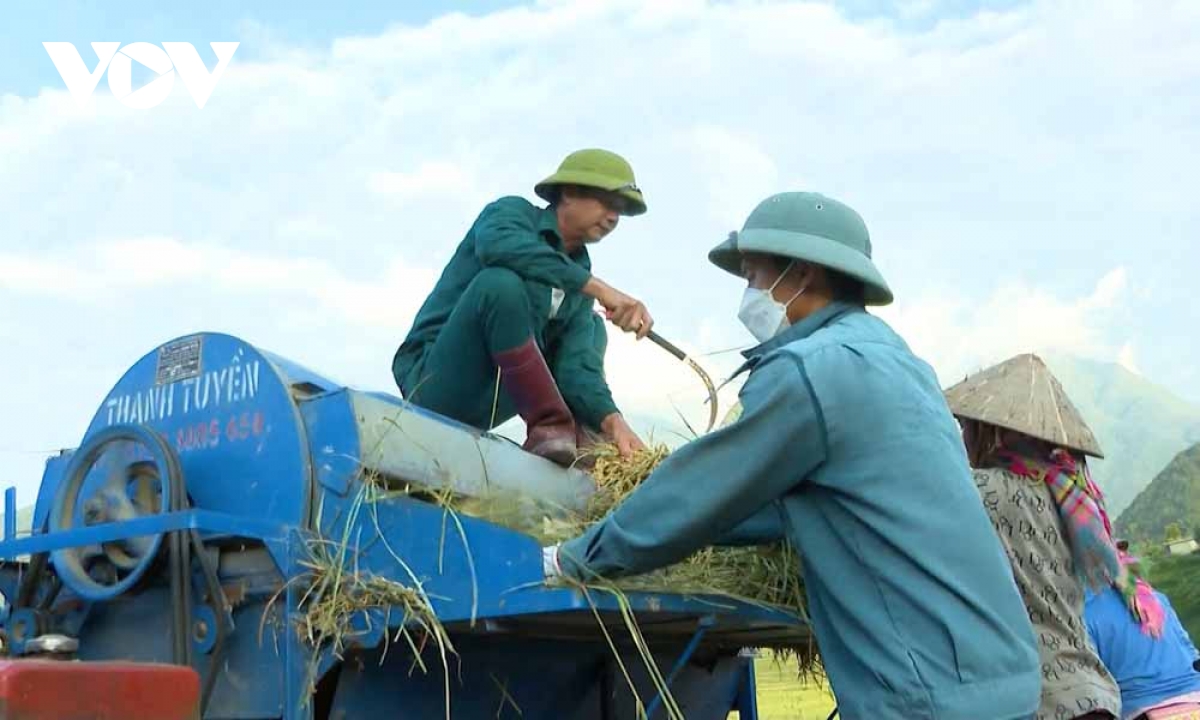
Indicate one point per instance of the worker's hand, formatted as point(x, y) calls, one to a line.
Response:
point(620, 309)
point(620, 434)
point(550, 568)
point(630, 315)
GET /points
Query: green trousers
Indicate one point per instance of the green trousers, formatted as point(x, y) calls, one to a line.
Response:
point(455, 376)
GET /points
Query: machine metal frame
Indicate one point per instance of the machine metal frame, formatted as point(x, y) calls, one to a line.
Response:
point(506, 601)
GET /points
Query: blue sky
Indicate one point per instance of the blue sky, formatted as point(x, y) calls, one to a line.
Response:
point(24, 67)
point(1026, 169)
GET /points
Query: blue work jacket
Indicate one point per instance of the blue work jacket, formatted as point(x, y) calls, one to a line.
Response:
point(847, 448)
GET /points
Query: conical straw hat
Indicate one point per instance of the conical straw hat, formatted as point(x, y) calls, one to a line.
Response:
point(1022, 394)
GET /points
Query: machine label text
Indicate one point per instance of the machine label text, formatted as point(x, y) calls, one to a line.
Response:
point(210, 434)
point(179, 360)
point(213, 389)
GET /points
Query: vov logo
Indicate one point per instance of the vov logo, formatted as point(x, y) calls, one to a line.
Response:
point(172, 57)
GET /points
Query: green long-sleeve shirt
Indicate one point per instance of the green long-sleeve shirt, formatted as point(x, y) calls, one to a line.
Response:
point(513, 233)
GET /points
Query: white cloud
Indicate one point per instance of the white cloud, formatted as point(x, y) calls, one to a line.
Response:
point(958, 336)
point(38, 276)
point(738, 172)
point(1126, 359)
point(429, 179)
point(130, 269)
point(1108, 290)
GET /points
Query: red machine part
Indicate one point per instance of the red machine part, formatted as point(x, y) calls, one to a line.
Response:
point(67, 690)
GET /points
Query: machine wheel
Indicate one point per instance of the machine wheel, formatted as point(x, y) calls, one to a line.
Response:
point(139, 488)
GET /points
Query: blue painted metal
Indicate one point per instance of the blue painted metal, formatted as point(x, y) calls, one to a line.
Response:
point(747, 698)
point(209, 523)
point(86, 479)
point(204, 636)
point(336, 452)
point(51, 476)
point(274, 456)
point(229, 416)
point(705, 623)
point(10, 513)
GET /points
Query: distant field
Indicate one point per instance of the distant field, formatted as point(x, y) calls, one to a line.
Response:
point(782, 697)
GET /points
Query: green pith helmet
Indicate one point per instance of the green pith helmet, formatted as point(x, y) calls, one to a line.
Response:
point(812, 228)
point(599, 169)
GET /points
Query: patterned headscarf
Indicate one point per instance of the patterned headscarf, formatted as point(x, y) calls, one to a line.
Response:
point(1098, 562)
point(1145, 604)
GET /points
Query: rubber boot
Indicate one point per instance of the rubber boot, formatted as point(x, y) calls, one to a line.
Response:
point(550, 427)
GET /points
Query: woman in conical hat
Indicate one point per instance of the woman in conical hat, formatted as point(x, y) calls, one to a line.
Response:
point(1028, 445)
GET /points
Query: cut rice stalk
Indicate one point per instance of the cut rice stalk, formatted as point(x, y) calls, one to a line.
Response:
point(767, 575)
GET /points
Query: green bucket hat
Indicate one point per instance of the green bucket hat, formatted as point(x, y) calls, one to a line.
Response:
point(598, 169)
point(812, 228)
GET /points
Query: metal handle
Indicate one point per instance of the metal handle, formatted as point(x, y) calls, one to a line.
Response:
point(669, 347)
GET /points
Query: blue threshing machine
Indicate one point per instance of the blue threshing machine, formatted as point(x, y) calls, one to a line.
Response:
point(178, 530)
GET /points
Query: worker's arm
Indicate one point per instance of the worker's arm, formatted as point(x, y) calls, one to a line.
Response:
point(507, 235)
point(761, 528)
point(704, 490)
point(579, 368)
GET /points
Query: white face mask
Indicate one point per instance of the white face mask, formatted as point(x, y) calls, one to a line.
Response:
point(763, 315)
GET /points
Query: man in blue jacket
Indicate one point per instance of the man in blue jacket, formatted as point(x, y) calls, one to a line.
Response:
point(1154, 668)
point(846, 448)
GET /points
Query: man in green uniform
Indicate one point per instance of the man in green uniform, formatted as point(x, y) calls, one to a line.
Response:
point(514, 306)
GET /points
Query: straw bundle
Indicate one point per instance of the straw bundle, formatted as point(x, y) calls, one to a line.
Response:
point(767, 575)
point(336, 596)
point(336, 593)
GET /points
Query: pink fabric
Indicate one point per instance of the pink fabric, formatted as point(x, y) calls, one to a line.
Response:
point(1151, 612)
point(1188, 699)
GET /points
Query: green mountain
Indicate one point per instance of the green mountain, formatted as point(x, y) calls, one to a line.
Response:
point(1175, 577)
point(1140, 425)
point(1173, 497)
